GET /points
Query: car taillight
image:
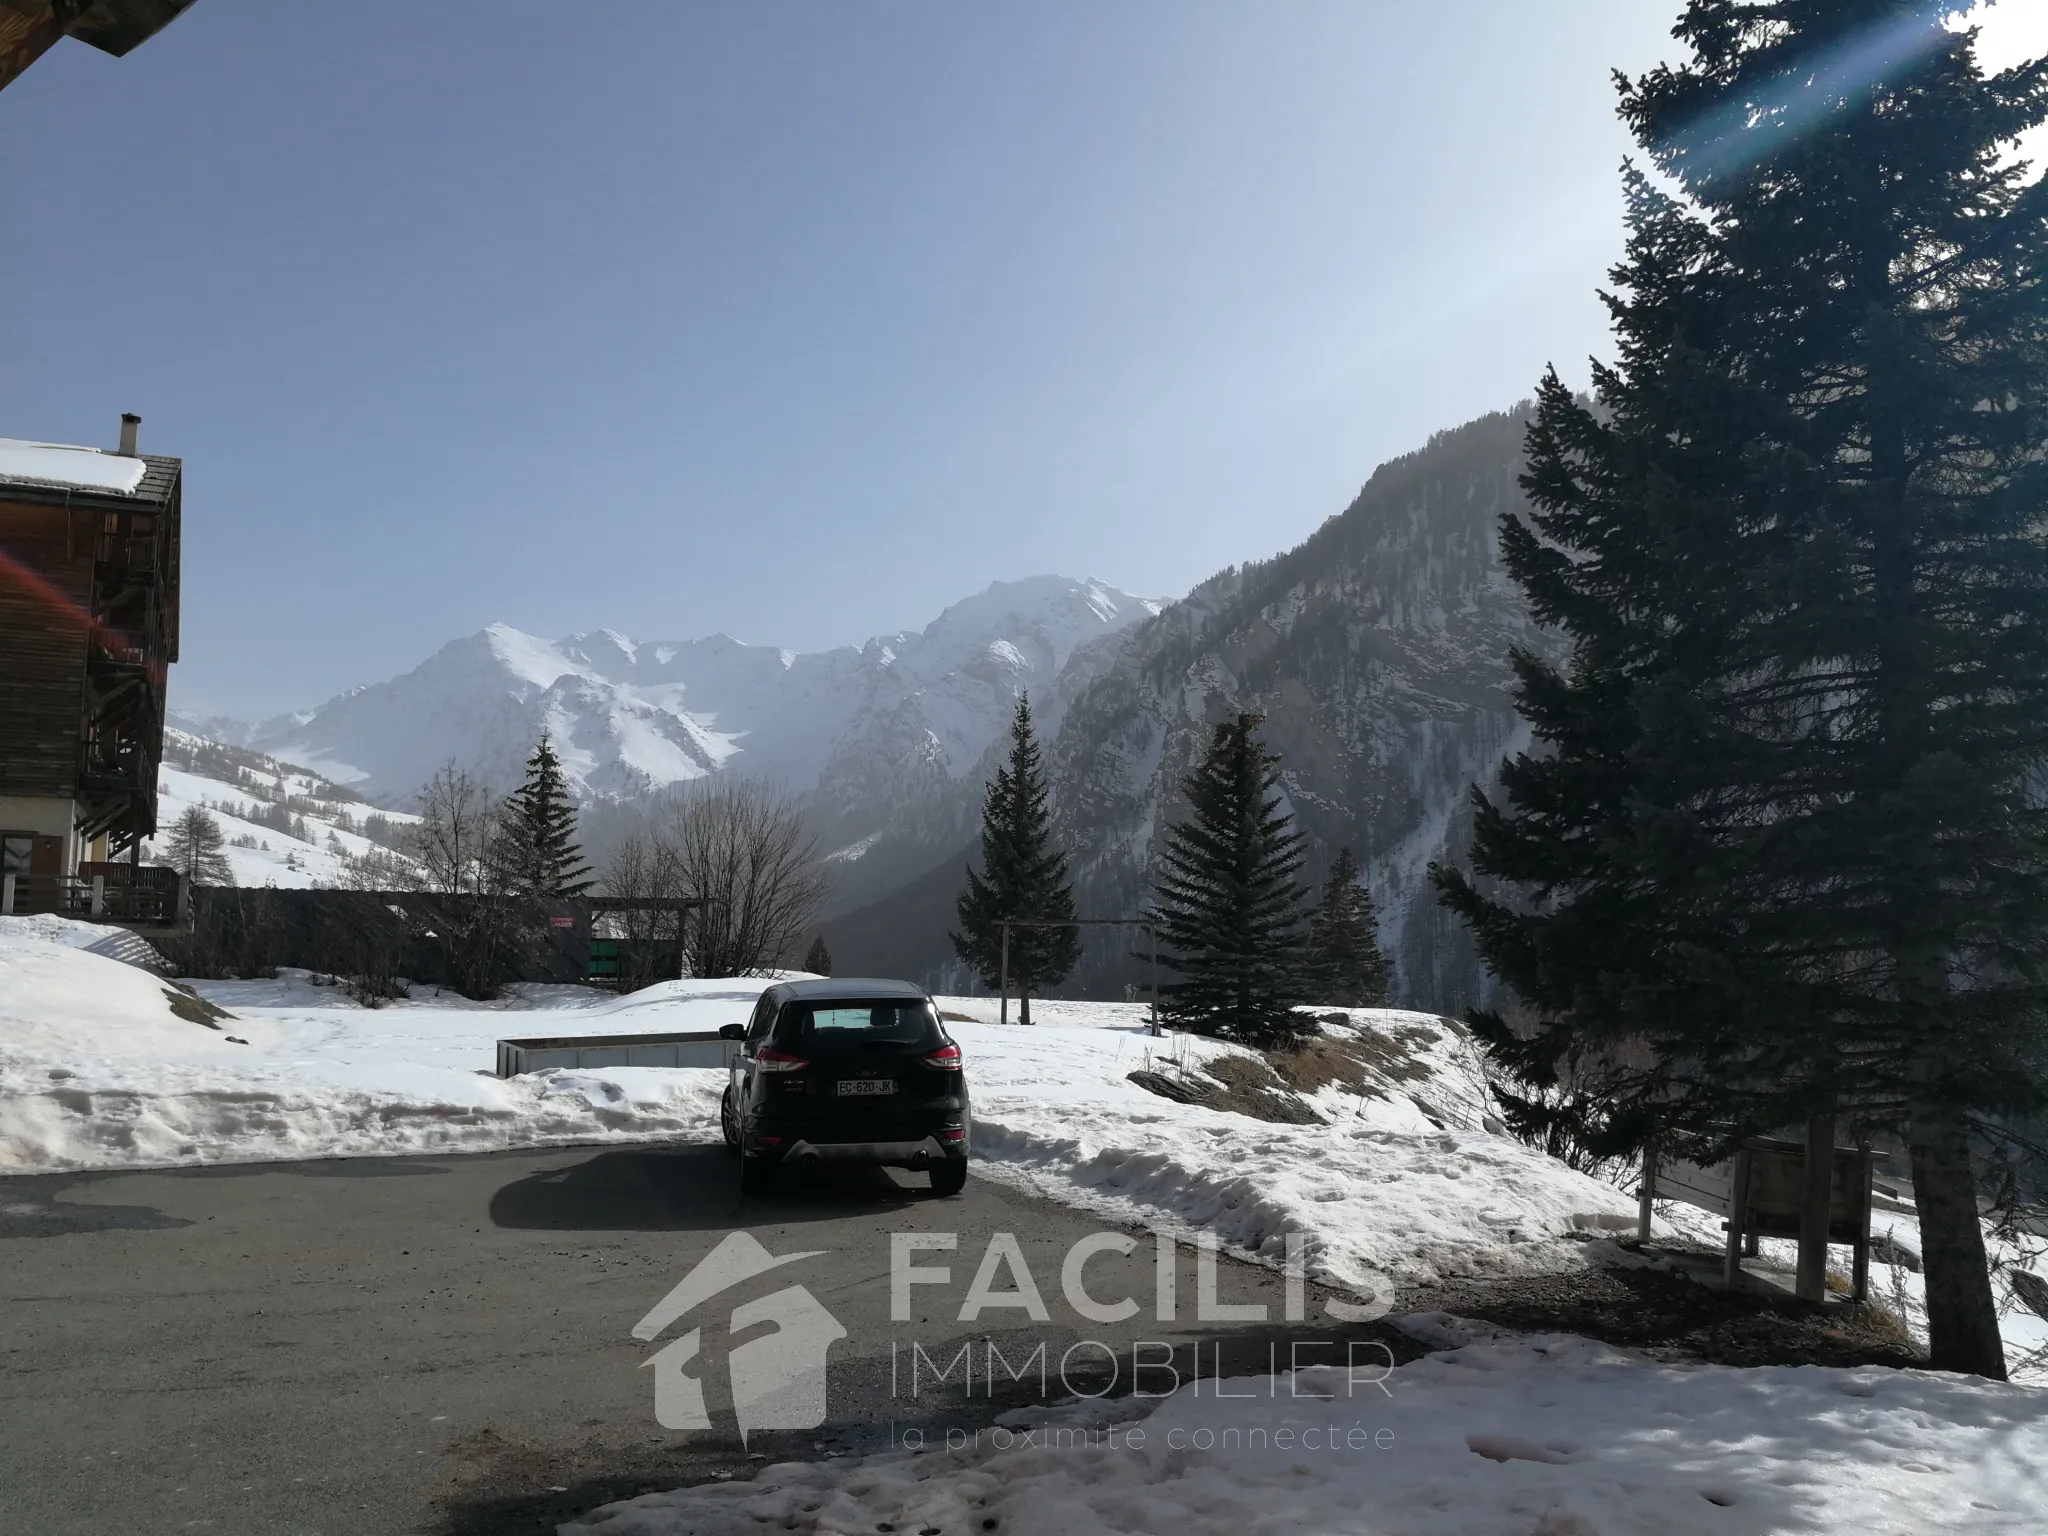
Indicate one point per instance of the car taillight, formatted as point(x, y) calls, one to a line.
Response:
point(946, 1058)
point(768, 1059)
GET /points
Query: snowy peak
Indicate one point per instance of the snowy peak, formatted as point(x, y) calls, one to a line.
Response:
point(1050, 616)
point(523, 656)
point(634, 716)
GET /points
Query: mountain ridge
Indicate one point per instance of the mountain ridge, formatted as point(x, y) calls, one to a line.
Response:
point(631, 717)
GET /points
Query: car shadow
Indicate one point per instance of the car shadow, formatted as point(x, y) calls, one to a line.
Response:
point(691, 1189)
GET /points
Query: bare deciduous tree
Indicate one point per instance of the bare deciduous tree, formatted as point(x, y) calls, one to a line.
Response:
point(640, 869)
point(452, 841)
point(742, 848)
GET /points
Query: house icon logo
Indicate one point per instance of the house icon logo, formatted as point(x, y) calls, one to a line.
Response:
point(778, 1380)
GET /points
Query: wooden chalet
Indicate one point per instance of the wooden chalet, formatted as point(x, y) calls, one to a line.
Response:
point(88, 631)
point(30, 28)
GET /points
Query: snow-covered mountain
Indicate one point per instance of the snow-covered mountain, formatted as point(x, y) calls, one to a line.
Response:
point(1377, 651)
point(631, 717)
point(283, 826)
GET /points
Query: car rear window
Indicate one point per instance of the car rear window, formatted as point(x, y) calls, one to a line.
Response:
point(858, 1023)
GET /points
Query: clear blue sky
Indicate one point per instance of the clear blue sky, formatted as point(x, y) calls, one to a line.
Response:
point(792, 320)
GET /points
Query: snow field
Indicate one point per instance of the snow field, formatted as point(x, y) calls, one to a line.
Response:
point(276, 858)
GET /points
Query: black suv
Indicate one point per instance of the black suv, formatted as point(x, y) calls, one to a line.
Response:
point(847, 1071)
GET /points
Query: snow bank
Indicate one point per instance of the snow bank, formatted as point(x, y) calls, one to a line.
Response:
point(1405, 1182)
point(98, 1069)
point(89, 1118)
point(71, 1006)
point(100, 938)
point(1525, 1436)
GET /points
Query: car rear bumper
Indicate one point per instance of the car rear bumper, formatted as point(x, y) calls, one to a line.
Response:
point(910, 1154)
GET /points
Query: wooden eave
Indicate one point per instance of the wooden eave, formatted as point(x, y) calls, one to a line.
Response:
point(30, 28)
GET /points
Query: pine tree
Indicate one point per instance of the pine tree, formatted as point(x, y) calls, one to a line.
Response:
point(1780, 853)
point(1226, 901)
point(1343, 962)
point(196, 848)
point(819, 960)
point(1023, 875)
point(536, 854)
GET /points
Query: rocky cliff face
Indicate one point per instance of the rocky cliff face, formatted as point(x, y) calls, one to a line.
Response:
point(1378, 653)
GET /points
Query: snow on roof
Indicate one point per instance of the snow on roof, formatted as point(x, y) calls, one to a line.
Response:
point(89, 469)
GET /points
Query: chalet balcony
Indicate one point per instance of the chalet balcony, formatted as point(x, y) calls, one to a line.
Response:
point(147, 898)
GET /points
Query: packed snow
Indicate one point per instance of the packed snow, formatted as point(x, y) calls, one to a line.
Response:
point(1540, 1435)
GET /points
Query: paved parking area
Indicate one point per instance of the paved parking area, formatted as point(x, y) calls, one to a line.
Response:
point(444, 1345)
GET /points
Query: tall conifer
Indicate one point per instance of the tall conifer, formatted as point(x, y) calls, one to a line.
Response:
point(1023, 875)
point(1227, 902)
point(1782, 851)
point(1344, 964)
point(537, 853)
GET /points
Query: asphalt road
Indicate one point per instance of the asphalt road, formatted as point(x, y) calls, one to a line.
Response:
point(444, 1345)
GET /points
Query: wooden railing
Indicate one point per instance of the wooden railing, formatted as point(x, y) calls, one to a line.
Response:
point(129, 896)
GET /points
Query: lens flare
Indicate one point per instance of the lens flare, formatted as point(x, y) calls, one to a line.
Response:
point(1806, 85)
point(68, 610)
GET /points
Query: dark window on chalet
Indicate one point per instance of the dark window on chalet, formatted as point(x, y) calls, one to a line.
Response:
point(16, 848)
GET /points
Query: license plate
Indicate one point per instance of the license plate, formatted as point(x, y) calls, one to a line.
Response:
point(864, 1087)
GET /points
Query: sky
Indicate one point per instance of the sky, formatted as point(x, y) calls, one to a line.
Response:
point(796, 321)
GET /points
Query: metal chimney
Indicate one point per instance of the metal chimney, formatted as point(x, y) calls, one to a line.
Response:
point(129, 422)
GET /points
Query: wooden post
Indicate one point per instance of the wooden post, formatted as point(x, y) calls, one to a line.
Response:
point(1860, 1279)
point(99, 895)
point(1155, 978)
point(1738, 1213)
point(1813, 1210)
point(6, 895)
point(1004, 1016)
point(1647, 1200)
